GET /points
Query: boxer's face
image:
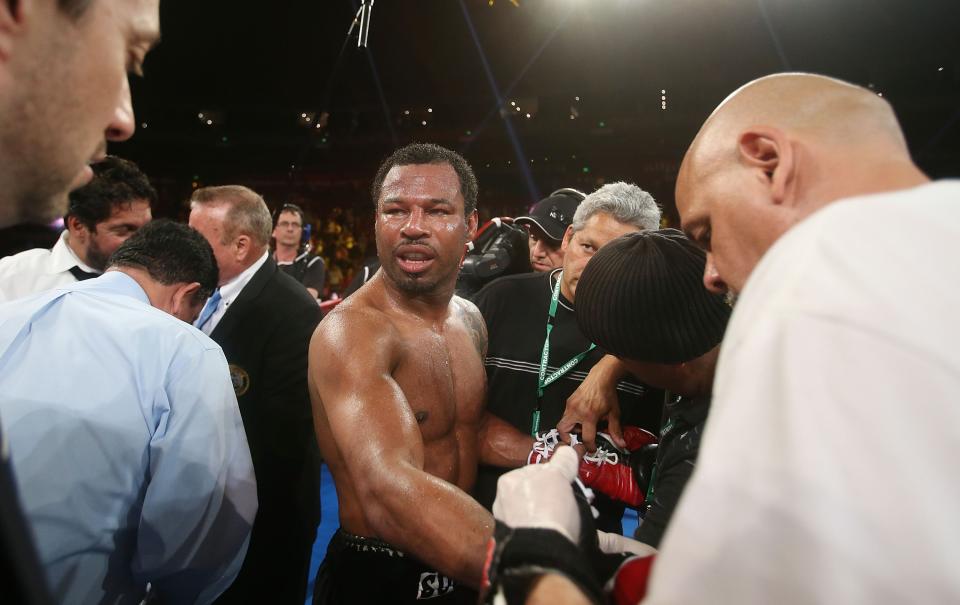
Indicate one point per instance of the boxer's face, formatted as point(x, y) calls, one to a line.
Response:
point(421, 227)
point(580, 246)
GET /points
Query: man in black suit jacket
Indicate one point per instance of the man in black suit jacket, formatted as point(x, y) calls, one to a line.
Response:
point(264, 319)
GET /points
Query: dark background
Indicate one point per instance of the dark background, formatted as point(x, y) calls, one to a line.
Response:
point(254, 69)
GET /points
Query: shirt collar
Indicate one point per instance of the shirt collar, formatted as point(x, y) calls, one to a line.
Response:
point(63, 258)
point(231, 290)
point(118, 282)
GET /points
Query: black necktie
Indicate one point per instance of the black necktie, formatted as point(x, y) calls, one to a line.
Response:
point(81, 275)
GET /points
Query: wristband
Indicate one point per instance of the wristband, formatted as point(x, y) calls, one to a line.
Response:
point(517, 558)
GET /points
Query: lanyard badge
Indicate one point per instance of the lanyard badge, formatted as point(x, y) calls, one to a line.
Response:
point(542, 379)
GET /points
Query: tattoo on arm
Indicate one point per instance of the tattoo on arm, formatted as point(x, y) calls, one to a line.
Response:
point(476, 326)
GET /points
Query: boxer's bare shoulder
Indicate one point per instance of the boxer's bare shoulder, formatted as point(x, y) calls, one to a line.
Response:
point(469, 314)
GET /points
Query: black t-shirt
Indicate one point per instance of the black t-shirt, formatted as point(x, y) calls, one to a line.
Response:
point(308, 269)
point(676, 456)
point(515, 310)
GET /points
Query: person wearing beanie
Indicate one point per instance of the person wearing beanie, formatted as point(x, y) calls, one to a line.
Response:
point(516, 310)
point(545, 224)
point(641, 299)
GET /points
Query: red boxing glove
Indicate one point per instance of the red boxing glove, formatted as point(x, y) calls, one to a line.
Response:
point(603, 472)
point(630, 581)
point(638, 438)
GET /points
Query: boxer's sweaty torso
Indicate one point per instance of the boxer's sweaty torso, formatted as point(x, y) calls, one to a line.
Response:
point(438, 365)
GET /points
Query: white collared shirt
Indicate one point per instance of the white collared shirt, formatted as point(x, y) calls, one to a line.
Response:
point(38, 270)
point(230, 291)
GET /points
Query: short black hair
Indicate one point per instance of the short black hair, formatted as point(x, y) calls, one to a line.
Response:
point(115, 182)
point(289, 208)
point(429, 153)
point(172, 253)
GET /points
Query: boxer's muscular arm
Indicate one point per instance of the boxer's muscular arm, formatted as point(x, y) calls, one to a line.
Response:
point(378, 437)
point(501, 444)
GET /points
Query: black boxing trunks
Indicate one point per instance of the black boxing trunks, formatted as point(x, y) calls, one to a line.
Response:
point(366, 570)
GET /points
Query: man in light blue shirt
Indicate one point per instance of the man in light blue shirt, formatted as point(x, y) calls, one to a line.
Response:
point(124, 431)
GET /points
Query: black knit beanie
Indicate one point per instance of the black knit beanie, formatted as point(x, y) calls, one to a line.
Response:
point(642, 297)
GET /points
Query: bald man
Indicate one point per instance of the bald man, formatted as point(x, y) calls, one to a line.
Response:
point(827, 471)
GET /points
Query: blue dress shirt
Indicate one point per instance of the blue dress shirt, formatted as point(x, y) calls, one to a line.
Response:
point(127, 444)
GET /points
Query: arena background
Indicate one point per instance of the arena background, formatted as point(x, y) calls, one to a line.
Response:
point(614, 89)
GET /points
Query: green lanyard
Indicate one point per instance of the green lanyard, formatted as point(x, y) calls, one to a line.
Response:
point(543, 381)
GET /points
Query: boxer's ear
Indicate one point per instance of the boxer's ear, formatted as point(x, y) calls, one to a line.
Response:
point(473, 219)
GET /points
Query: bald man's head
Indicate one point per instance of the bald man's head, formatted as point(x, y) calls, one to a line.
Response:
point(775, 151)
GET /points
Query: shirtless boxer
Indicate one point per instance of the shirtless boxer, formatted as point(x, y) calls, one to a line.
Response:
point(398, 387)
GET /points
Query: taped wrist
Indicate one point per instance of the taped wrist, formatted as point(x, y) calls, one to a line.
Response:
point(517, 558)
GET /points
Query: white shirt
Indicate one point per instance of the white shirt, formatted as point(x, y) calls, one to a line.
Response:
point(828, 468)
point(39, 270)
point(230, 291)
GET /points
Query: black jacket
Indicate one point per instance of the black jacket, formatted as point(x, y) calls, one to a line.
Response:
point(676, 457)
point(265, 335)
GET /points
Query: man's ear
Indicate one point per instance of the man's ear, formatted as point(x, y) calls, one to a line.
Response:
point(243, 244)
point(75, 225)
point(567, 235)
point(767, 149)
point(182, 302)
point(13, 17)
point(473, 222)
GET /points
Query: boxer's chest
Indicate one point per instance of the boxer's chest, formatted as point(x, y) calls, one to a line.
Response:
point(443, 379)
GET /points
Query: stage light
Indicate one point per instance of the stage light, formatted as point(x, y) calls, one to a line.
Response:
point(424, 122)
point(303, 115)
point(209, 122)
point(602, 124)
point(586, 170)
point(429, 109)
point(224, 139)
point(939, 69)
point(406, 112)
point(576, 98)
point(528, 116)
point(513, 103)
point(200, 115)
point(144, 125)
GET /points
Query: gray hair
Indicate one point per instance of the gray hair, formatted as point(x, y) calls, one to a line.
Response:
point(247, 213)
point(625, 202)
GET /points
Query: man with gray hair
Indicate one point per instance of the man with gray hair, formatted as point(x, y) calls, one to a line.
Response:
point(529, 378)
point(263, 319)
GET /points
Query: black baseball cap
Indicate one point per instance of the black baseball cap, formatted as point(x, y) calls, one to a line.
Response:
point(553, 214)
